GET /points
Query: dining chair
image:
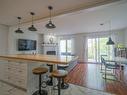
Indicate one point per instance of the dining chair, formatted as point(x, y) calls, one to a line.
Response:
point(109, 65)
point(102, 63)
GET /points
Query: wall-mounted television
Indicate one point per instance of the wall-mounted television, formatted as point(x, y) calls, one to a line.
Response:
point(26, 44)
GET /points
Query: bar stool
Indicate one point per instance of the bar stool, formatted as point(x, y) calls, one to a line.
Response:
point(63, 84)
point(59, 74)
point(50, 81)
point(39, 71)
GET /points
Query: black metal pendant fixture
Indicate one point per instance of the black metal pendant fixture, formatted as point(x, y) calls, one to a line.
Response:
point(19, 30)
point(50, 25)
point(32, 28)
point(110, 42)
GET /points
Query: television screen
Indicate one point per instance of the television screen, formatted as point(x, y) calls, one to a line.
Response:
point(25, 44)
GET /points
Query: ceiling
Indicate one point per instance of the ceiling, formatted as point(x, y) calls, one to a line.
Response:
point(10, 9)
point(88, 20)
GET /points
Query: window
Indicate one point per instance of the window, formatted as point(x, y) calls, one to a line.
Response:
point(66, 47)
point(98, 47)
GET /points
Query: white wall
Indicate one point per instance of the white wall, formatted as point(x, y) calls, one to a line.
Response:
point(125, 39)
point(13, 37)
point(4, 39)
point(50, 47)
point(40, 41)
point(80, 45)
point(79, 40)
point(118, 37)
point(48, 36)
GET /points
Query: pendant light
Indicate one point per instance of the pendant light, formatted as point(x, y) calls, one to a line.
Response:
point(19, 30)
point(32, 28)
point(110, 41)
point(50, 25)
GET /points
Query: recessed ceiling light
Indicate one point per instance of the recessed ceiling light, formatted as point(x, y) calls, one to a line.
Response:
point(102, 24)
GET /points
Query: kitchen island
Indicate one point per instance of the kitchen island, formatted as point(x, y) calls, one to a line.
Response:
point(16, 70)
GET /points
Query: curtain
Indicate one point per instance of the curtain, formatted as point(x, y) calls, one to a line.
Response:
point(85, 48)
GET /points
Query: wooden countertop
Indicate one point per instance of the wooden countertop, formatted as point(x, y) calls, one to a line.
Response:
point(39, 58)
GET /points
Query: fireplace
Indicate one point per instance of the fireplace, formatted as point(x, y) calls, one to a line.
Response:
point(51, 52)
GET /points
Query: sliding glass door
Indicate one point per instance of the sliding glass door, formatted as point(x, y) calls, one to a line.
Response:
point(98, 47)
point(91, 50)
point(66, 47)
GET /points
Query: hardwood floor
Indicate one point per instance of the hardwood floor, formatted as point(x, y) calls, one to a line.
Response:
point(89, 75)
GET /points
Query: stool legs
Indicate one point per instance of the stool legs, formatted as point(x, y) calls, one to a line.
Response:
point(59, 85)
point(50, 82)
point(59, 74)
point(40, 91)
point(40, 71)
point(62, 82)
point(64, 85)
point(40, 84)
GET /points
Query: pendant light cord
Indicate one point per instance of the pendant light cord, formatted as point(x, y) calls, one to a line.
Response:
point(19, 18)
point(32, 14)
point(50, 15)
point(110, 27)
point(50, 9)
point(32, 19)
point(19, 24)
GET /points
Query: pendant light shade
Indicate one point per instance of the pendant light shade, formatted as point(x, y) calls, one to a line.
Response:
point(110, 42)
point(50, 25)
point(32, 28)
point(19, 30)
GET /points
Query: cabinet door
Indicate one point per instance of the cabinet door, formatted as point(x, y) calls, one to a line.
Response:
point(15, 73)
